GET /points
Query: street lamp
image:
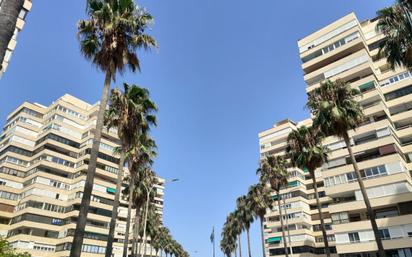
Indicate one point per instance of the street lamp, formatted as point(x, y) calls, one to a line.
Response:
point(149, 191)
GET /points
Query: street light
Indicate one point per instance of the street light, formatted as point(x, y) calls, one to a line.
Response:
point(149, 191)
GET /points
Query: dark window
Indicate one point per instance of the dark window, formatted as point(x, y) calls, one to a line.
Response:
point(398, 93)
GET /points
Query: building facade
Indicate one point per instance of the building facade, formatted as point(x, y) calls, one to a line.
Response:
point(348, 49)
point(44, 155)
point(13, 42)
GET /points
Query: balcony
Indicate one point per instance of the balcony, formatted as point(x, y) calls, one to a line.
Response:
point(352, 206)
point(332, 50)
point(338, 67)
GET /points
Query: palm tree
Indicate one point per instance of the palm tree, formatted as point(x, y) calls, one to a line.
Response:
point(237, 228)
point(131, 112)
point(164, 238)
point(306, 152)
point(229, 236)
point(140, 158)
point(9, 12)
point(147, 183)
point(109, 39)
point(273, 171)
point(227, 244)
point(245, 216)
point(396, 25)
point(260, 202)
point(153, 227)
point(336, 111)
point(234, 227)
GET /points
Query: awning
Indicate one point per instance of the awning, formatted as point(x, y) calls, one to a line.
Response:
point(111, 190)
point(276, 239)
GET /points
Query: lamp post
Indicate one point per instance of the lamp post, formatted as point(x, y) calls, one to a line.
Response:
point(148, 192)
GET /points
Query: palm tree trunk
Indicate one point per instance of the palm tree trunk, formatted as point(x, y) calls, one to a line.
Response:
point(248, 242)
point(287, 227)
point(262, 234)
point(240, 247)
point(140, 252)
point(145, 221)
point(136, 232)
point(110, 239)
point(283, 227)
point(322, 224)
point(235, 249)
point(139, 245)
point(129, 213)
point(369, 209)
point(9, 12)
point(91, 170)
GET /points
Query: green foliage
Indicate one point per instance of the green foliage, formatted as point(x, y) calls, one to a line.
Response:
point(305, 149)
point(131, 111)
point(395, 24)
point(335, 108)
point(113, 33)
point(259, 199)
point(273, 171)
point(7, 251)
point(231, 230)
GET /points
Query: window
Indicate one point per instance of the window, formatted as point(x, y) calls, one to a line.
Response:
point(341, 217)
point(328, 36)
point(398, 93)
point(386, 213)
point(375, 171)
point(22, 14)
point(12, 172)
point(58, 139)
point(71, 112)
point(396, 78)
point(9, 196)
point(354, 237)
point(351, 177)
point(384, 234)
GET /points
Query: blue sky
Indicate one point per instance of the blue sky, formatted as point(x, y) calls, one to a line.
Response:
point(225, 71)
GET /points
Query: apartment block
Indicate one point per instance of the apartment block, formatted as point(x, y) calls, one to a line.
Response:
point(13, 42)
point(44, 156)
point(348, 49)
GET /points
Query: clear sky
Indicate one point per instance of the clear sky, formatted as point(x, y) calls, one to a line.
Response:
point(225, 70)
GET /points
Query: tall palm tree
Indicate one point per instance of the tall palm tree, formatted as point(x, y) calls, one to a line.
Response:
point(306, 152)
point(109, 38)
point(131, 112)
point(140, 158)
point(235, 229)
point(147, 183)
point(396, 24)
point(164, 238)
point(336, 111)
point(153, 226)
point(245, 216)
point(227, 244)
point(273, 171)
point(9, 12)
point(229, 235)
point(260, 202)
point(143, 177)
